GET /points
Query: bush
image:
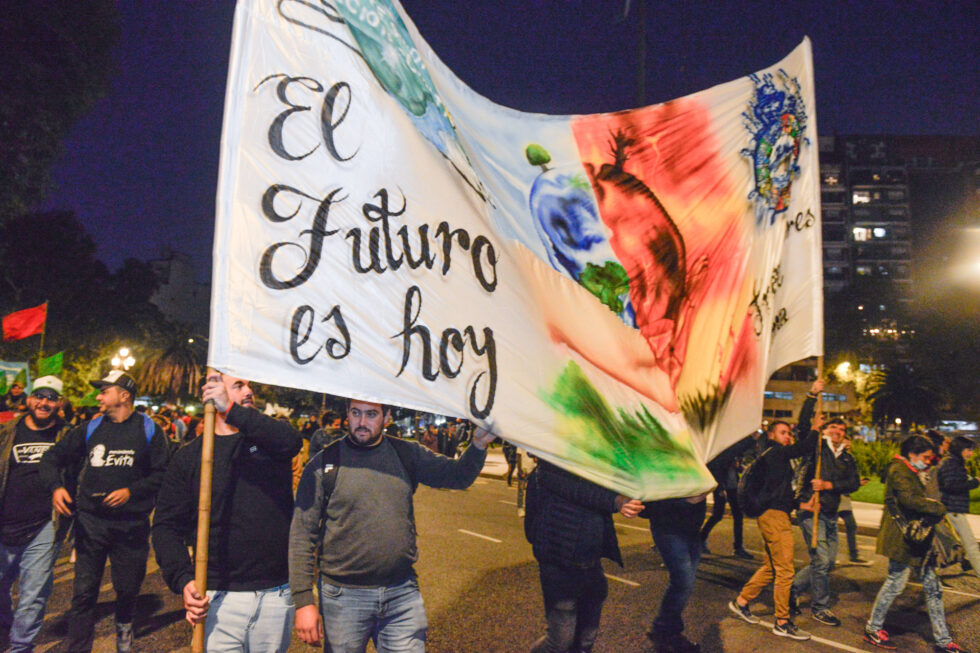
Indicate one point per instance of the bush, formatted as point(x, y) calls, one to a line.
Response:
point(873, 458)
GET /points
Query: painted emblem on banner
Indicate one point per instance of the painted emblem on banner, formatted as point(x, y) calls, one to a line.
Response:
point(777, 120)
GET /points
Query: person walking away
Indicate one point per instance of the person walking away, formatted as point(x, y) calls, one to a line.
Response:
point(29, 531)
point(778, 500)
point(724, 469)
point(675, 525)
point(248, 605)
point(955, 485)
point(122, 456)
point(905, 497)
point(570, 528)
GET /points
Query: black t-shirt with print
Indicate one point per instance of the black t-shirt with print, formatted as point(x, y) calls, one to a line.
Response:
point(26, 506)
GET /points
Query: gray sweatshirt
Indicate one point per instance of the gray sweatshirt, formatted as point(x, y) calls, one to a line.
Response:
point(367, 530)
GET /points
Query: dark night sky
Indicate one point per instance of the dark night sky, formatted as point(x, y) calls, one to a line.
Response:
point(141, 170)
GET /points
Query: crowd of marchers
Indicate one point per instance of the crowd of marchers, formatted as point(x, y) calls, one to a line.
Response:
point(320, 538)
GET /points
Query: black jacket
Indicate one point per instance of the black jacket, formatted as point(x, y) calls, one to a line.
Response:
point(840, 470)
point(777, 493)
point(251, 505)
point(955, 484)
point(573, 526)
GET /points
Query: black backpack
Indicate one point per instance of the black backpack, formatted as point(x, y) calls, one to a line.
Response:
point(751, 485)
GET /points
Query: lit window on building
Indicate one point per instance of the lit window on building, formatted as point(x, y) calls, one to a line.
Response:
point(861, 234)
point(863, 270)
point(831, 180)
point(860, 197)
point(878, 232)
point(769, 394)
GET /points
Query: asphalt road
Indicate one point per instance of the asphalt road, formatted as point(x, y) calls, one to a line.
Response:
point(481, 590)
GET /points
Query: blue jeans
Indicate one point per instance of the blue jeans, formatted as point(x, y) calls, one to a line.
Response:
point(32, 566)
point(392, 617)
point(249, 622)
point(573, 600)
point(675, 525)
point(815, 577)
point(898, 575)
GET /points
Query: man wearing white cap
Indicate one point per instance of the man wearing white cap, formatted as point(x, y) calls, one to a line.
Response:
point(122, 455)
point(28, 544)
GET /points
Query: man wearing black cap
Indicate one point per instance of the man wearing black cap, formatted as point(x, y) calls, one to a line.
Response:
point(117, 461)
point(28, 543)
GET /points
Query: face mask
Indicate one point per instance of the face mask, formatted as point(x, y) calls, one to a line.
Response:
point(919, 465)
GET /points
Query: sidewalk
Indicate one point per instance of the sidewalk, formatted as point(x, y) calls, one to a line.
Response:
point(867, 515)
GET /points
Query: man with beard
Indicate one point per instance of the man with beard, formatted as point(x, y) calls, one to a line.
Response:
point(354, 522)
point(248, 605)
point(117, 460)
point(28, 544)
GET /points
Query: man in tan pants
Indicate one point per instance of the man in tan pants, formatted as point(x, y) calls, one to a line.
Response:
point(774, 524)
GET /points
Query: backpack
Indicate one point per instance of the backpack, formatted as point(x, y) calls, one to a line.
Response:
point(750, 486)
point(149, 427)
point(532, 504)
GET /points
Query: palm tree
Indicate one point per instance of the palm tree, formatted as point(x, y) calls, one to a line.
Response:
point(176, 369)
point(900, 392)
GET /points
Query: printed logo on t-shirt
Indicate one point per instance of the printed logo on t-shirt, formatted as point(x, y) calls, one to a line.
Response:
point(115, 458)
point(29, 453)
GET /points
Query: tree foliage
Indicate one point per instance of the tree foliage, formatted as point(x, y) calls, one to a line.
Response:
point(902, 392)
point(174, 369)
point(56, 62)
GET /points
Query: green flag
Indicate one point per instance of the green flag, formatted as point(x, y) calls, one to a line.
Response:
point(21, 378)
point(51, 364)
point(89, 399)
point(3, 383)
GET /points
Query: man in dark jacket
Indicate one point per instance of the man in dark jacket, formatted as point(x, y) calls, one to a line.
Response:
point(251, 507)
point(724, 469)
point(122, 457)
point(571, 530)
point(779, 500)
point(28, 538)
point(838, 476)
point(955, 485)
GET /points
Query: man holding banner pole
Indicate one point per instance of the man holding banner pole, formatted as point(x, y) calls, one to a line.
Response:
point(353, 533)
point(247, 605)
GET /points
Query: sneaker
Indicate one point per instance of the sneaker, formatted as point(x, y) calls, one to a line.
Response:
point(743, 554)
point(880, 639)
point(952, 647)
point(743, 612)
point(673, 643)
point(861, 561)
point(826, 617)
point(124, 638)
point(790, 630)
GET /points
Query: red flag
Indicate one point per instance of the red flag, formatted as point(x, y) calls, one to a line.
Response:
point(25, 323)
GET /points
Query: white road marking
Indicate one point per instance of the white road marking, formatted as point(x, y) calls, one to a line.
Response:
point(821, 640)
point(621, 580)
point(952, 591)
point(482, 537)
point(509, 503)
point(635, 528)
point(480, 482)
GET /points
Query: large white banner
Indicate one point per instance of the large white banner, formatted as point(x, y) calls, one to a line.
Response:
point(610, 291)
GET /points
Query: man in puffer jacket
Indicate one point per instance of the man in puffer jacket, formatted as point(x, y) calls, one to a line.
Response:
point(955, 485)
point(570, 528)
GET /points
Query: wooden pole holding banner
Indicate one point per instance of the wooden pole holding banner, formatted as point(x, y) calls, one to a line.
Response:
point(204, 515)
point(816, 475)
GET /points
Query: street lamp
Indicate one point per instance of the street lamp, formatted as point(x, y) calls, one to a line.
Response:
point(123, 360)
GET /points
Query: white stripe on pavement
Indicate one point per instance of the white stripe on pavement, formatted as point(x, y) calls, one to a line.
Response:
point(951, 591)
point(482, 537)
point(635, 528)
point(821, 640)
point(509, 503)
point(621, 580)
